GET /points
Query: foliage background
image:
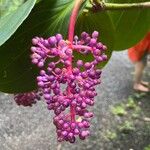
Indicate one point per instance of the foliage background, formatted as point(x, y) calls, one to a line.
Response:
point(21, 20)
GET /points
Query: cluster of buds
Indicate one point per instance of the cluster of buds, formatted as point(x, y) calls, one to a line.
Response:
point(67, 130)
point(68, 84)
point(27, 99)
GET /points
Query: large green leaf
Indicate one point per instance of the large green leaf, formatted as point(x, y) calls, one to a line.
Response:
point(130, 25)
point(10, 22)
point(17, 74)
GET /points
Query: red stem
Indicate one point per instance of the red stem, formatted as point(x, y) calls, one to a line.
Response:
point(72, 23)
point(73, 18)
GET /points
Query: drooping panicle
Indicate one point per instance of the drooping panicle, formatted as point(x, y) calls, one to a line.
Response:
point(80, 80)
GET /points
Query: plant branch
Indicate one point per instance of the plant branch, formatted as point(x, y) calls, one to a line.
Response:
point(118, 6)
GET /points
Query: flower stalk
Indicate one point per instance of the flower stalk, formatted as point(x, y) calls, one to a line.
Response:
point(71, 30)
point(73, 18)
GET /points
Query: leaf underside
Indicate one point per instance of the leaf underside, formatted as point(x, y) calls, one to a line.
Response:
point(130, 25)
point(10, 22)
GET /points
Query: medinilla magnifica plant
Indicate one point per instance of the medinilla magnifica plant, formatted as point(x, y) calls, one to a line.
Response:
point(64, 63)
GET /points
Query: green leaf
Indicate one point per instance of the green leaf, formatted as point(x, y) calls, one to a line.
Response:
point(10, 23)
point(7, 6)
point(17, 74)
point(130, 25)
point(48, 18)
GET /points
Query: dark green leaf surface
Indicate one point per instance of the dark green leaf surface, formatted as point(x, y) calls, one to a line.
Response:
point(16, 71)
point(10, 23)
point(130, 25)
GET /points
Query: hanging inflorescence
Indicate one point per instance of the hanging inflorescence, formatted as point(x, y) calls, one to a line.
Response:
point(66, 83)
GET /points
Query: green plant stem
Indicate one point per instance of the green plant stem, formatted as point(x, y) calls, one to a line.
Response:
point(120, 6)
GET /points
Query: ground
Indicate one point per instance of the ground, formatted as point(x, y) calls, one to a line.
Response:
point(121, 122)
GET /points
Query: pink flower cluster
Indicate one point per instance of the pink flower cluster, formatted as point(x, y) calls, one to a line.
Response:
point(68, 86)
point(27, 99)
